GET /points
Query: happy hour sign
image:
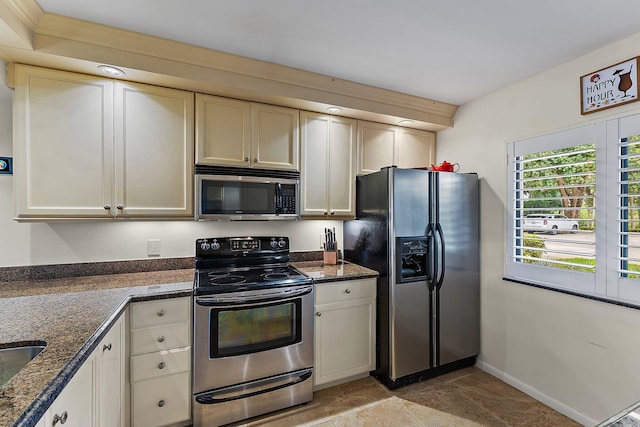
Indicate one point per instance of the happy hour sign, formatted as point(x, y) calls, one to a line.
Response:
point(609, 87)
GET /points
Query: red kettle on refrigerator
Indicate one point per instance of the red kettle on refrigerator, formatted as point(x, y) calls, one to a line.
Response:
point(446, 167)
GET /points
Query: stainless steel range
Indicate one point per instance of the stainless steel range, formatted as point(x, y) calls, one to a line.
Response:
point(253, 330)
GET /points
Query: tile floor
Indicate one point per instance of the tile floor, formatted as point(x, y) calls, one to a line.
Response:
point(468, 398)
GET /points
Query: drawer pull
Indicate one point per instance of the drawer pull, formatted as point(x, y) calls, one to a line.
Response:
point(160, 313)
point(106, 347)
point(347, 291)
point(161, 403)
point(161, 365)
point(318, 314)
point(161, 339)
point(60, 418)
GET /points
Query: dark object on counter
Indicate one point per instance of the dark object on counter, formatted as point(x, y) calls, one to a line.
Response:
point(419, 230)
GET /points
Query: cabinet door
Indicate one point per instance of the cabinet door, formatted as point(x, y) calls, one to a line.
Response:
point(416, 148)
point(74, 404)
point(154, 151)
point(110, 378)
point(314, 171)
point(223, 131)
point(275, 140)
point(342, 167)
point(376, 146)
point(63, 143)
point(349, 326)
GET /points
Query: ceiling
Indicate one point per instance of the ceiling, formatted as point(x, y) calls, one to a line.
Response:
point(449, 51)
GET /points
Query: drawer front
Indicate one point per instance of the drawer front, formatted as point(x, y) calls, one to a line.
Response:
point(159, 338)
point(346, 290)
point(160, 363)
point(160, 312)
point(161, 401)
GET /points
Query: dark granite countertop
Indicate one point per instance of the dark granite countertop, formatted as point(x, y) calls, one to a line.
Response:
point(73, 314)
point(343, 270)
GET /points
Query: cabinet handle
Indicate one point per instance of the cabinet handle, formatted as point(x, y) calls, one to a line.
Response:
point(326, 213)
point(255, 160)
point(347, 291)
point(246, 159)
point(161, 365)
point(161, 339)
point(120, 207)
point(318, 314)
point(106, 347)
point(107, 207)
point(60, 418)
point(160, 313)
point(333, 213)
point(161, 403)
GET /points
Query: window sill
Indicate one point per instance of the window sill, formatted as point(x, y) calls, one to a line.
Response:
point(577, 294)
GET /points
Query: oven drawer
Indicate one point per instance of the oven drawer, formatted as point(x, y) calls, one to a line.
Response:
point(161, 401)
point(160, 312)
point(158, 338)
point(345, 290)
point(157, 364)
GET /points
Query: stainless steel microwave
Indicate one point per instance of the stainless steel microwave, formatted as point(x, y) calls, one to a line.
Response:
point(246, 194)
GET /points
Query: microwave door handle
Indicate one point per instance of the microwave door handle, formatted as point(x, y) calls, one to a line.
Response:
point(278, 199)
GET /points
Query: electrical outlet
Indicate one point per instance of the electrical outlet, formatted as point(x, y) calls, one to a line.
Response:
point(153, 247)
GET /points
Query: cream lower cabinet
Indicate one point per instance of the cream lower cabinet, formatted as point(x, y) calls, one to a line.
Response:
point(344, 331)
point(89, 147)
point(381, 145)
point(328, 162)
point(230, 132)
point(74, 406)
point(109, 360)
point(160, 362)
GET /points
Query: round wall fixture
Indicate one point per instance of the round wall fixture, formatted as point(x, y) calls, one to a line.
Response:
point(111, 71)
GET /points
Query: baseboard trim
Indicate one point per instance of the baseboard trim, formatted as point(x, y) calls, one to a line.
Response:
point(536, 394)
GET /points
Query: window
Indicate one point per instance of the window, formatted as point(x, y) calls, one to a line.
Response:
point(574, 210)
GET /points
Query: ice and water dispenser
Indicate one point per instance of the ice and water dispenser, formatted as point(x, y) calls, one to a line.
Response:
point(412, 255)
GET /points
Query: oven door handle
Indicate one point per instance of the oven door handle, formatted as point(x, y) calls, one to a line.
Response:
point(253, 388)
point(216, 301)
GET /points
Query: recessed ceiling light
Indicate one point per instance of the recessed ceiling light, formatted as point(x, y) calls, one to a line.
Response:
point(111, 71)
point(334, 110)
point(405, 122)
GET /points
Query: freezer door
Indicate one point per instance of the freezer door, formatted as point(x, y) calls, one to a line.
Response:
point(459, 294)
point(408, 302)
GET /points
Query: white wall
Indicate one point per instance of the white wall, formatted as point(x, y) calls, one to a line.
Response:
point(50, 243)
point(577, 355)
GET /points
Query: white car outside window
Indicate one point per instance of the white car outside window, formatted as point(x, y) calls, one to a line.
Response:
point(550, 223)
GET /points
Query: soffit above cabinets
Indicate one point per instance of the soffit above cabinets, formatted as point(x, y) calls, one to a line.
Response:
point(27, 35)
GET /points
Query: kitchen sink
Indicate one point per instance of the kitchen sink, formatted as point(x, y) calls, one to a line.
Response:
point(13, 359)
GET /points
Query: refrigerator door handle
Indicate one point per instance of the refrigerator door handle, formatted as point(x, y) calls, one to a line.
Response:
point(441, 251)
point(432, 268)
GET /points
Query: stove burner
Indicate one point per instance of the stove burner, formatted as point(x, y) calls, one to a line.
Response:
point(275, 276)
point(226, 279)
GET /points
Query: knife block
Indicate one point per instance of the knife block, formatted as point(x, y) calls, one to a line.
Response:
point(330, 257)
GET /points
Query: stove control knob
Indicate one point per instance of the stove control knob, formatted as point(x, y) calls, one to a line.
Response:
point(205, 246)
point(282, 243)
point(215, 246)
point(273, 244)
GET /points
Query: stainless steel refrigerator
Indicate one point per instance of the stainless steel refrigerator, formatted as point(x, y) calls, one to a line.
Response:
point(419, 230)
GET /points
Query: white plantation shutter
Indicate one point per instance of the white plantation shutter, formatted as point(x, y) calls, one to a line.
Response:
point(552, 217)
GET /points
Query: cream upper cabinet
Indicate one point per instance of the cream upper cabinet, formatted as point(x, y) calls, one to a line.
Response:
point(230, 132)
point(381, 145)
point(328, 161)
point(87, 147)
point(223, 131)
point(63, 144)
point(154, 151)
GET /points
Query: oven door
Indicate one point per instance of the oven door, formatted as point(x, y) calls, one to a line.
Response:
point(245, 336)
